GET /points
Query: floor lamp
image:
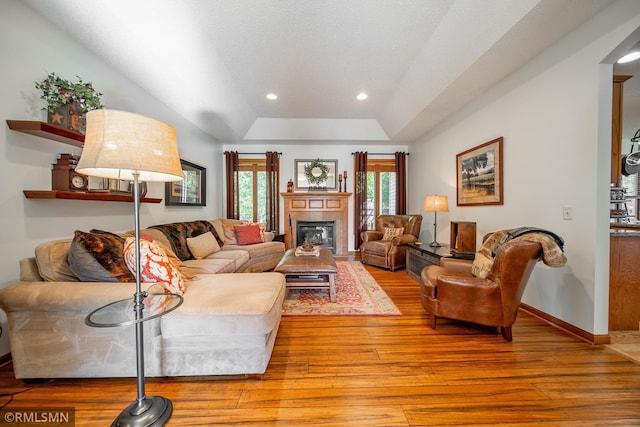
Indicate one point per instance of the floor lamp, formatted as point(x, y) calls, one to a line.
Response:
point(435, 204)
point(126, 146)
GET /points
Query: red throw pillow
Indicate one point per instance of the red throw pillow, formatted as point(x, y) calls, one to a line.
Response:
point(248, 234)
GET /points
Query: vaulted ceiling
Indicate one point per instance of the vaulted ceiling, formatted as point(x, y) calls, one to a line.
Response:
point(214, 61)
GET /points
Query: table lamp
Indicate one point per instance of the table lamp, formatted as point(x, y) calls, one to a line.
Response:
point(435, 204)
point(128, 146)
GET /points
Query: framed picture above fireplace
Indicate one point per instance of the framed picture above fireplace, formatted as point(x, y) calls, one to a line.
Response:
point(301, 181)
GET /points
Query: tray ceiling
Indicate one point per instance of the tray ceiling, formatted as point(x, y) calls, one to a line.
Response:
point(418, 60)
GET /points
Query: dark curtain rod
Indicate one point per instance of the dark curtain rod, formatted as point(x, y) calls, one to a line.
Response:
point(381, 154)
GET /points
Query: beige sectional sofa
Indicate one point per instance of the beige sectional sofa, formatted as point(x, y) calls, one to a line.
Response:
point(227, 324)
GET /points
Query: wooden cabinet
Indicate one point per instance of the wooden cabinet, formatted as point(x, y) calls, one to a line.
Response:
point(624, 281)
point(463, 237)
point(420, 256)
point(56, 133)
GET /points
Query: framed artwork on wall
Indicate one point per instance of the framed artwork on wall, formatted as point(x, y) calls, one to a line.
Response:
point(479, 175)
point(324, 167)
point(191, 191)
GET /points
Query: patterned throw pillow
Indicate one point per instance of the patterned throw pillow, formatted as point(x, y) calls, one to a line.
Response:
point(249, 234)
point(390, 233)
point(154, 264)
point(97, 256)
point(203, 245)
point(174, 260)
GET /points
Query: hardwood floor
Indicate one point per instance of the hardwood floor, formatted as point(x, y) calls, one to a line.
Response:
point(383, 371)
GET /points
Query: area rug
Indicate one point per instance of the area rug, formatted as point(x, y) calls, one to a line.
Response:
point(358, 294)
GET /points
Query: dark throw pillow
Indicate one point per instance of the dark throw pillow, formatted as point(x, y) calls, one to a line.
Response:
point(97, 256)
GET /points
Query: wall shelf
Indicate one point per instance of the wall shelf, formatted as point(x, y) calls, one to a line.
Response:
point(57, 133)
point(81, 195)
point(47, 130)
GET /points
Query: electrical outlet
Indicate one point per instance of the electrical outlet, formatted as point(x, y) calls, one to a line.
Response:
point(567, 212)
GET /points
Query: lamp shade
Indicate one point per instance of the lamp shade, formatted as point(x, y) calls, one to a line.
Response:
point(119, 143)
point(436, 204)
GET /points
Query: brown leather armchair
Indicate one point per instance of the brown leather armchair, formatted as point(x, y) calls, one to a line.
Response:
point(451, 291)
point(391, 254)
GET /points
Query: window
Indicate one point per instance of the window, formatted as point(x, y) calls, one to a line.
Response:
point(381, 189)
point(252, 189)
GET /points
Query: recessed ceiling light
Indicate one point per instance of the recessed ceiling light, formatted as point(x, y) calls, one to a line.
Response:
point(272, 96)
point(631, 56)
point(362, 96)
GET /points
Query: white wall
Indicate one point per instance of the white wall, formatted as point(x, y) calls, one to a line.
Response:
point(342, 153)
point(30, 47)
point(555, 117)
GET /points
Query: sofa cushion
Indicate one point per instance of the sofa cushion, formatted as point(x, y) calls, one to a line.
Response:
point(248, 234)
point(154, 265)
point(239, 257)
point(97, 256)
point(203, 245)
point(51, 259)
point(211, 265)
point(252, 305)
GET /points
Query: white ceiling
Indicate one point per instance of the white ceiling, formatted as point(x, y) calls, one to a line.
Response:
point(213, 61)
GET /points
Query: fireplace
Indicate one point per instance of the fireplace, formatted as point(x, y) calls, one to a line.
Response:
point(317, 207)
point(318, 233)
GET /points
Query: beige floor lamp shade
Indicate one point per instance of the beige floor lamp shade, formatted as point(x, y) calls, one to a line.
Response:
point(119, 143)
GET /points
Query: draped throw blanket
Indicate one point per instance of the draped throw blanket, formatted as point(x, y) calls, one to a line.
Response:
point(552, 248)
point(177, 233)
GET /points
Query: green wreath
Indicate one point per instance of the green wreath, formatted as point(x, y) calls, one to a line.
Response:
point(316, 179)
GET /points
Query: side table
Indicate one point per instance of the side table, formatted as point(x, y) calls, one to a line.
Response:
point(420, 256)
point(123, 313)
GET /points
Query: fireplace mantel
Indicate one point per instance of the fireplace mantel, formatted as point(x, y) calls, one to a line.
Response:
point(319, 206)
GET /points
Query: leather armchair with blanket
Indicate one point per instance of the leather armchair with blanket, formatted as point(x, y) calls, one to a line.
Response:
point(488, 290)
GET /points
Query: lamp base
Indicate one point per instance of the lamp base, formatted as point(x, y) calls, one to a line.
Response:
point(435, 244)
point(151, 411)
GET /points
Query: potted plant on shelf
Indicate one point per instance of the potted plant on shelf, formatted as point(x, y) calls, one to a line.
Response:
point(68, 102)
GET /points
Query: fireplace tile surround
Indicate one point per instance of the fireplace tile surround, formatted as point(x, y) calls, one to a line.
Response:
point(317, 206)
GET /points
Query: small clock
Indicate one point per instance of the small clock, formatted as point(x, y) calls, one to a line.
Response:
point(78, 182)
point(65, 178)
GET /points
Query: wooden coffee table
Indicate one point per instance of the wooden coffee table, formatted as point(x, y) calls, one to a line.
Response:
point(309, 271)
